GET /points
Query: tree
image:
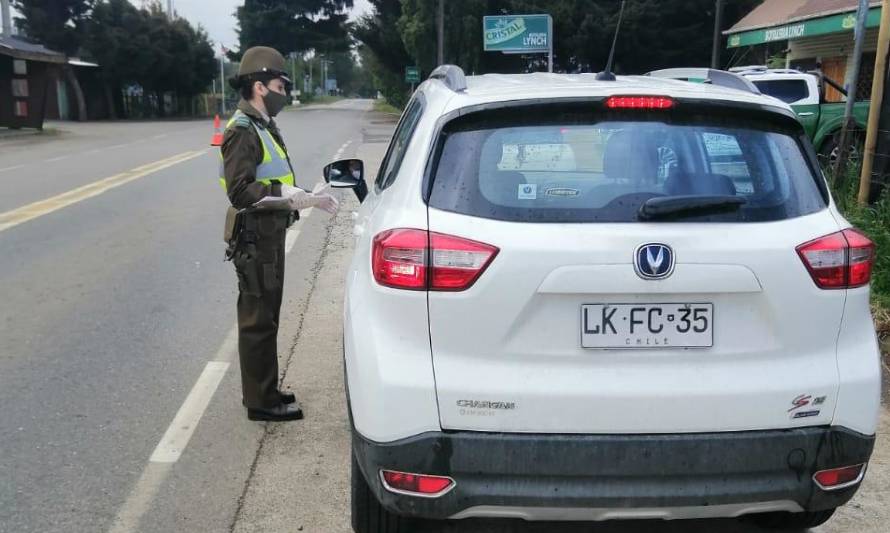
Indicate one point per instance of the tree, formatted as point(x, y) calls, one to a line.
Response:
point(294, 25)
point(384, 52)
point(654, 34)
point(59, 25)
point(144, 47)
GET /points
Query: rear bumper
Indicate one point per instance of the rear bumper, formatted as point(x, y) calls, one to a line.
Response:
point(617, 476)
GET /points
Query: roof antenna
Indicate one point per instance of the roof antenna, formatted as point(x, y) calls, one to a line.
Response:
point(606, 74)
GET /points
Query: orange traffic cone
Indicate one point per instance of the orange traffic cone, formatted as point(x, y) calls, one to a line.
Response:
point(217, 138)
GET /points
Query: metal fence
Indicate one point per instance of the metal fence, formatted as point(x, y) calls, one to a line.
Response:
point(150, 105)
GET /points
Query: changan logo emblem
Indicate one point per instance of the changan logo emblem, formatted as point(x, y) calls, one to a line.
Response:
point(654, 261)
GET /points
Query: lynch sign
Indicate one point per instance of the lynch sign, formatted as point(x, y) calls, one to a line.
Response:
point(785, 32)
point(517, 34)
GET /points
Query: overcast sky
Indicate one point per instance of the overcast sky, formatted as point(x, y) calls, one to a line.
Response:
point(219, 21)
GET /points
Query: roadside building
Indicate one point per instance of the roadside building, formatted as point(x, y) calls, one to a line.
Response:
point(78, 80)
point(26, 71)
point(814, 33)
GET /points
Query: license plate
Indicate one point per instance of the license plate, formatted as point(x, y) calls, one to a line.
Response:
point(647, 325)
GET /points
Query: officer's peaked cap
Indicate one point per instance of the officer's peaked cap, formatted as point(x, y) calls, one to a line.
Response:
point(262, 59)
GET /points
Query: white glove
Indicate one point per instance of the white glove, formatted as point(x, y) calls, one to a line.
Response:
point(300, 199)
point(325, 200)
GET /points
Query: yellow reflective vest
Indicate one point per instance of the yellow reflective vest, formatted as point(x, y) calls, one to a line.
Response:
point(273, 167)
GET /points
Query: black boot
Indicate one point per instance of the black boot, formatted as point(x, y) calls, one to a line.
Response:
point(279, 413)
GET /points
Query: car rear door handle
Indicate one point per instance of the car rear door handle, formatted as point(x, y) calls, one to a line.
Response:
point(806, 114)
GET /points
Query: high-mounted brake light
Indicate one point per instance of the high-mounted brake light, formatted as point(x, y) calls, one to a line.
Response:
point(416, 484)
point(639, 102)
point(419, 260)
point(842, 260)
point(839, 478)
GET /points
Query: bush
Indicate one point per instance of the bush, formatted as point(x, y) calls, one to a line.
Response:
point(874, 221)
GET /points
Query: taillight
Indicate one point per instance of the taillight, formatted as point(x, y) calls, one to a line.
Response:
point(419, 260)
point(639, 102)
point(839, 478)
point(399, 258)
point(842, 260)
point(417, 484)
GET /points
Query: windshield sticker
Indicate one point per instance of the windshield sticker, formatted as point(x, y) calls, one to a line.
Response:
point(528, 191)
point(562, 192)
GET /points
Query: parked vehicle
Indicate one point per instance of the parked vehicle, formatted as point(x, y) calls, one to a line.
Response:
point(574, 299)
point(805, 93)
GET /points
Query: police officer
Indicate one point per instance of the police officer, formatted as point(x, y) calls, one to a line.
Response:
point(255, 166)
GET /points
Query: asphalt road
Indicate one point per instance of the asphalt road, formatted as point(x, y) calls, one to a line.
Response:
point(112, 308)
point(118, 371)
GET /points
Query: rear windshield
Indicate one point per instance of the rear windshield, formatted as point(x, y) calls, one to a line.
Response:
point(788, 91)
point(571, 168)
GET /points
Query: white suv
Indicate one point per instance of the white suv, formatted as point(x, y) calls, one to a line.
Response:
point(574, 299)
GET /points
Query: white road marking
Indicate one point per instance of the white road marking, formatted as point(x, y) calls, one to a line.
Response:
point(61, 157)
point(161, 136)
point(11, 168)
point(177, 436)
point(127, 519)
point(229, 347)
point(343, 148)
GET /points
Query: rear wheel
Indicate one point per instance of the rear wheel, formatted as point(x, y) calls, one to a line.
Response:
point(830, 149)
point(368, 516)
point(792, 521)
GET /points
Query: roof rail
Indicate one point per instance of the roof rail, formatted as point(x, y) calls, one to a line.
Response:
point(746, 68)
point(720, 78)
point(452, 76)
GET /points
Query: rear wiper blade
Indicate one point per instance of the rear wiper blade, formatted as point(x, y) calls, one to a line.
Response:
point(676, 206)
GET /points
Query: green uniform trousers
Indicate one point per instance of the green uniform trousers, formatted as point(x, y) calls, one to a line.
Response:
point(259, 264)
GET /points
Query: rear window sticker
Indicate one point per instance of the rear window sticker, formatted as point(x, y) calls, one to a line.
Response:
point(528, 191)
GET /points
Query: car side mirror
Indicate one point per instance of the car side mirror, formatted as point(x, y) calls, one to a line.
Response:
point(347, 174)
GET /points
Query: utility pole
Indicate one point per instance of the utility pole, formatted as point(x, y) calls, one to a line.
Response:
point(877, 102)
point(840, 167)
point(718, 26)
point(7, 20)
point(440, 32)
point(222, 83)
point(324, 74)
point(170, 9)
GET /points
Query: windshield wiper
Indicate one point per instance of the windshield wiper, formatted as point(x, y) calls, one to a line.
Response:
point(676, 206)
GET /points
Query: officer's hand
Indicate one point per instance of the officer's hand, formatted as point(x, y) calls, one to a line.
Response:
point(289, 191)
point(327, 202)
point(298, 199)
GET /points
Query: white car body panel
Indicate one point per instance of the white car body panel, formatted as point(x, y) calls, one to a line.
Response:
point(513, 336)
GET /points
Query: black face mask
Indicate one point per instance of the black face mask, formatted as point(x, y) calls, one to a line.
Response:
point(274, 102)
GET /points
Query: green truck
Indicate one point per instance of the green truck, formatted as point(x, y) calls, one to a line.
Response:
point(804, 92)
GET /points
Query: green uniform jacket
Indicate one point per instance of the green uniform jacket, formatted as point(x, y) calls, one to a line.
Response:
point(242, 151)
